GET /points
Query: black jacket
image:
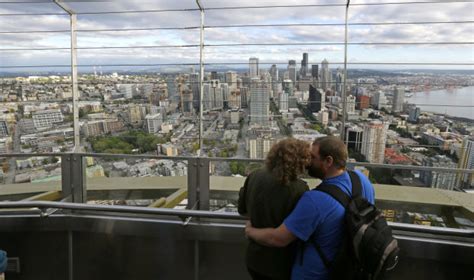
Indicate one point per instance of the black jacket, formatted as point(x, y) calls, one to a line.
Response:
point(267, 203)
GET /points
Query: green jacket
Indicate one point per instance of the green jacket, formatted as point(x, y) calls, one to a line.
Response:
point(267, 203)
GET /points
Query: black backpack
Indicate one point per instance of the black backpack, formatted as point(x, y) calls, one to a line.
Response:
point(369, 248)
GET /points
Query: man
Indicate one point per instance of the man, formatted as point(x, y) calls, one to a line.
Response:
point(317, 215)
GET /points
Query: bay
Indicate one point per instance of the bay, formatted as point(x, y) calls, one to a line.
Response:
point(457, 102)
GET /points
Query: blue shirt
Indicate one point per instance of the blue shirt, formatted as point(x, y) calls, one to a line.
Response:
point(319, 213)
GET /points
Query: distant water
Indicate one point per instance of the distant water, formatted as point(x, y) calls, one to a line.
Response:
point(446, 98)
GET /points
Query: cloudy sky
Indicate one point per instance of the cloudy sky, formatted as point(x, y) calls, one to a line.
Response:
point(328, 38)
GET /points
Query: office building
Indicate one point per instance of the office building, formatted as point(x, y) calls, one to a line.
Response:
point(316, 100)
point(304, 65)
point(259, 103)
point(253, 68)
point(436, 179)
point(46, 119)
point(466, 161)
point(153, 123)
point(292, 71)
point(325, 75)
point(373, 141)
point(398, 97)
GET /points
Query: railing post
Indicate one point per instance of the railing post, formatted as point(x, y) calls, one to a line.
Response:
point(66, 176)
point(192, 182)
point(79, 191)
point(73, 178)
point(204, 183)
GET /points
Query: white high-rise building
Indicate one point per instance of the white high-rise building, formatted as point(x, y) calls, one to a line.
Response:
point(206, 98)
point(325, 75)
point(153, 122)
point(259, 102)
point(373, 141)
point(274, 73)
point(213, 98)
point(283, 102)
point(231, 79)
point(398, 98)
point(351, 104)
point(126, 90)
point(466, 161)
point(253, 67)
point(292, 71)
point(379, 100)
point(259, 147)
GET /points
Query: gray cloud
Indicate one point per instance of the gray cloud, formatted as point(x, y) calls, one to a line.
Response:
point(385, 33)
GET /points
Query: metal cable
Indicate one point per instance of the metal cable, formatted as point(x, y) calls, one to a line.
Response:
point(236, 63)
point(336, 24)
point(338, 43)
point(243, 8)
point(102, 48)
point(101, 30)
point(239, 26)
point(242, 44)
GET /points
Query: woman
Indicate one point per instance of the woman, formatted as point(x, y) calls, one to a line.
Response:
point(267, 197)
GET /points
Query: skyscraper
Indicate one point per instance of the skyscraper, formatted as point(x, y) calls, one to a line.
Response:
point(283, 102)
point(304, 65)
point(339, 81)
point(231, 79)
point(153, 122)
point(253, 67)
point(276, 86)
point(213, 98)
point(225, 95)
point(194, 85)
point(274, 73)
point(414, 114)
point(466, 161)
point(350, 104)
point(325, 75)
point(354, 137)
point(373, 141)
point(315, 71)
point(292, 71)
point(315, 100)
point(398, 97)
point(259, 102)
point(288, 87)
point(379, 100)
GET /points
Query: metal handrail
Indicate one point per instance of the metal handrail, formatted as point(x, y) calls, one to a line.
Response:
point(42, 205)
point(120, 209)
point(221, 159)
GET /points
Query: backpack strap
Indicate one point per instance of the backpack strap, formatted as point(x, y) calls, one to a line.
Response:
point(341, 197)
point(356, 184)
point(336, 193)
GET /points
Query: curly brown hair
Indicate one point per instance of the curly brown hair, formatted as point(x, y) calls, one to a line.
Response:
point(288, 158)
